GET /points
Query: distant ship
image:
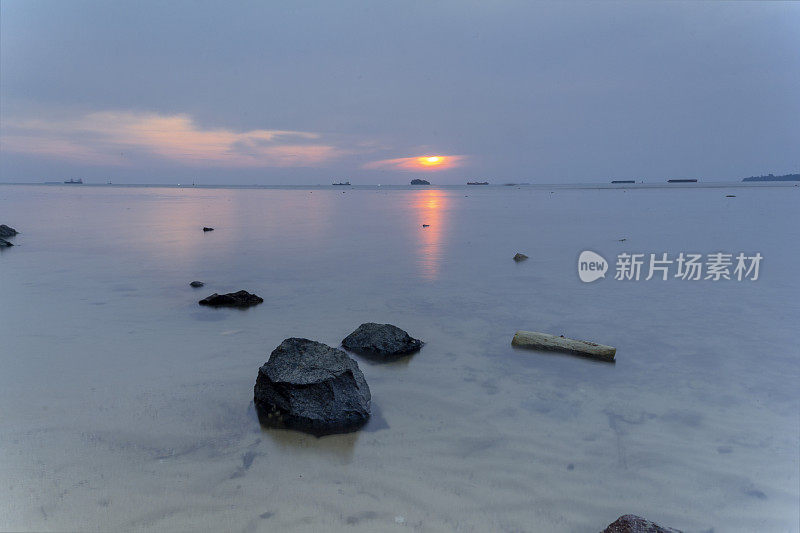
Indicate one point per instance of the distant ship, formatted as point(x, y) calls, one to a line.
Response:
point(625, 181)
point(344, 183)
point(682, 181)
point(77, 181)
point(477, 183)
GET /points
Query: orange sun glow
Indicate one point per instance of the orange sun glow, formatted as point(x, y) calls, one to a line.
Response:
point(431, 160)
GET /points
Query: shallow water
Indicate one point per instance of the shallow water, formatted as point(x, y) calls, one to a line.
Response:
point(125, 405)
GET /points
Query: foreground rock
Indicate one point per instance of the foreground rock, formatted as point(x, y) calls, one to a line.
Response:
point(312, 387)
point(636, 524)
point(384, 340)
point(7, 231)
point(520, 257)
point(4, 243)
point(232, 299)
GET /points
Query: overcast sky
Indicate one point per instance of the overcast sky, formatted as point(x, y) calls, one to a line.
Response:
point(307, 92)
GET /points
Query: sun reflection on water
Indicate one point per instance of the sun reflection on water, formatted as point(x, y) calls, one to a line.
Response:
point(431, 208)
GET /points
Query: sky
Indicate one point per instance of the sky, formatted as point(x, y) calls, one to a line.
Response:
point(303, 92)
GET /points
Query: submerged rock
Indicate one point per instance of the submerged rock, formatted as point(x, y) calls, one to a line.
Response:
point(312, 387)
point(7, 231)
point(636, 524)
point(196, 284)
point(208, 229)
point(520, 257)
point(4, 243)
point(232, 299)
point(384, 340)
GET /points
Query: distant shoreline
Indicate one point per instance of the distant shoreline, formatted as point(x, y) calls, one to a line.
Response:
point(534, 186)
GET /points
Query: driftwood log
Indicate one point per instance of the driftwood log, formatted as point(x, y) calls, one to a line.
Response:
point(545, 341)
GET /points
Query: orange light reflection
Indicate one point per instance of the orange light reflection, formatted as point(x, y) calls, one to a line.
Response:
point(430, 207)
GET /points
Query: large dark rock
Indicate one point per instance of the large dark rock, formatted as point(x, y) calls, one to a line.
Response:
point(636, 524)
point(232, 299)
point(312, 387)
point(4, 243)
point(384, 340)
point(7, 231)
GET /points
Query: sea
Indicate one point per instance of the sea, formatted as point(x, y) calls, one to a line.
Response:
point(126, 406)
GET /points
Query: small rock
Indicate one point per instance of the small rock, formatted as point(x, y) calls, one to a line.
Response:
point(208, 229)
point(312, 387)
point(520, 257)
point(4, 243)
point(384, 340)
point(196, 284)
point(426, 225)
point(232, 299)
point(730, 196)
point(636, 524)
point(7, 231)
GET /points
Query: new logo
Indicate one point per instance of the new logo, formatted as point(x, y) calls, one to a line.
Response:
point(591, 266)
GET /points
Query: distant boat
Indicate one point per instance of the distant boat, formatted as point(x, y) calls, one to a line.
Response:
point(78, 181)
point(477, 183)
point(625, 181)
point(682, 181)
point(344, 183)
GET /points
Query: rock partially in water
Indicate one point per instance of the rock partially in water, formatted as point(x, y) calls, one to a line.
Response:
point(4, 243)
point(196, 284)
point(383, 340)
point(208, 229)
point(636, 524)
point(232, 299)
point(309, 386)
point(7, 231)
point(520, 257)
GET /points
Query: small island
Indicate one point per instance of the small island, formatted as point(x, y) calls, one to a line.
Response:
point(770, 177)
point(418, 181)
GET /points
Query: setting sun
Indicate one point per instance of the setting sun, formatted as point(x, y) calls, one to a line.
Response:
point(416, 163)
point(431, 160)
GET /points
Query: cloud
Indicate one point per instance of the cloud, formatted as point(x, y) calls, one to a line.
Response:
point(113, 137)
point(426, 162)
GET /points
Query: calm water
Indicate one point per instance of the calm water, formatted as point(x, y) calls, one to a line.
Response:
point(125, 405)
